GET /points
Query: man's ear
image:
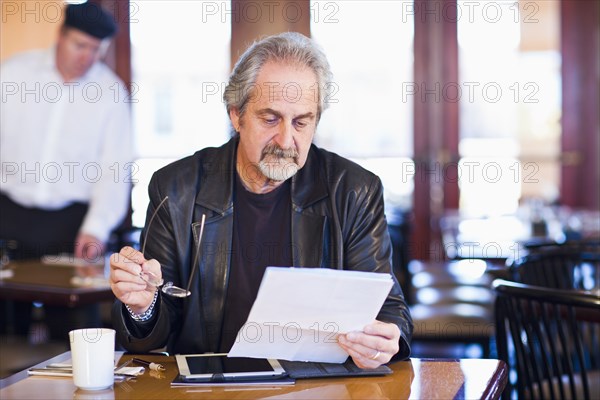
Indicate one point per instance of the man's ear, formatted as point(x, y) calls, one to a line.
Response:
point(234, 116)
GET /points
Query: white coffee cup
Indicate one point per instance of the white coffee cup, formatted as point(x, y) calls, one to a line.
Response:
point(93, 355)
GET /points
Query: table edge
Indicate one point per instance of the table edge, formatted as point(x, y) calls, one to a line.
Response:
point(497, 382)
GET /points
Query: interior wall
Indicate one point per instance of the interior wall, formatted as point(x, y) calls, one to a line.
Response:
point(580, 44)
point(254, 20)
point(540, 25)
point(27, 25)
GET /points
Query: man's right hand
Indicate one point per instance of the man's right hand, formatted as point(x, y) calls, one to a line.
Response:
point(125, 280)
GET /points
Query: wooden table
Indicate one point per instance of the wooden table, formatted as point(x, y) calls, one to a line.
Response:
point(55, 284)
point(494, 238)
point(503, 237)
point(414, 379)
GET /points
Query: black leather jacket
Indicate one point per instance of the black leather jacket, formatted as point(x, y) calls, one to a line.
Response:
point(337, 222)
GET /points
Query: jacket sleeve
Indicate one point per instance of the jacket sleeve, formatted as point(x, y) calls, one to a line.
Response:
point(368, 248)
point(153, 334)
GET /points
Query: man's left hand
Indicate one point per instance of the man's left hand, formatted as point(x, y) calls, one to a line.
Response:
point(88, 247)
point(372, 347)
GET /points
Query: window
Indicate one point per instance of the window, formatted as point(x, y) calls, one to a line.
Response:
point(180, 65)
point(510, 104)
point(369, 45)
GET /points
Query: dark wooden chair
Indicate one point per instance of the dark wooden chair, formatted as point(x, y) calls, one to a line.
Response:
point(550, 338)
point(568, 266)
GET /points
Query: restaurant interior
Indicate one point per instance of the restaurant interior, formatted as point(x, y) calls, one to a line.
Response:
point(480, 117)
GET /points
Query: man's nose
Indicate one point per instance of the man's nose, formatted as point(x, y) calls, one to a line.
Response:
point(285, 137)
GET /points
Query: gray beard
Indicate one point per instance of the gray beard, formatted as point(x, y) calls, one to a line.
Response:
point(279, 170)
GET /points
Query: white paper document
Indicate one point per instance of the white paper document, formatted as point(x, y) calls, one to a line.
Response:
point(299, 313)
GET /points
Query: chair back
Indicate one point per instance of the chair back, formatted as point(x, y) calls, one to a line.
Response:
point(560, 267)
point(550, 338)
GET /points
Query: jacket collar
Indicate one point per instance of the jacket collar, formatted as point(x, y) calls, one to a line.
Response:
point(218, 178)
point(309, 185)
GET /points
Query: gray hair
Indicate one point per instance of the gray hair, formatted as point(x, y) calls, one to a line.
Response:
point(288, 47)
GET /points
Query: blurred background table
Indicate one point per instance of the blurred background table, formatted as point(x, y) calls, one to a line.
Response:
point(76, 289)
point(54, 283)
point(505, 237)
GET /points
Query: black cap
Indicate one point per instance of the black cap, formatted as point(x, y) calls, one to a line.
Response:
point(91, 19)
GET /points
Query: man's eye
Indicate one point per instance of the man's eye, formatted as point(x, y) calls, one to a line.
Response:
point(300, 124)
point(271, 121)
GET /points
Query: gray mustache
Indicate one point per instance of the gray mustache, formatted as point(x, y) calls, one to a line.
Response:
point(275, 150)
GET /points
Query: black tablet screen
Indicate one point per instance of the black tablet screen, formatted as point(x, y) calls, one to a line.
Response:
point(223, 364)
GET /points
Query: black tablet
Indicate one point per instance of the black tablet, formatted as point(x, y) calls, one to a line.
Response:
point(220, 368)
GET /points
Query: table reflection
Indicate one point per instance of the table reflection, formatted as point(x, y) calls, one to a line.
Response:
point(466, 379)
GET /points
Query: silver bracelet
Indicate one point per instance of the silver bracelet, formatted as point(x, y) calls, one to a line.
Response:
point(146, 315)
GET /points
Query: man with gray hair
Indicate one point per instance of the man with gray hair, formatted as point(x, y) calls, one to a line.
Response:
point(271, 198)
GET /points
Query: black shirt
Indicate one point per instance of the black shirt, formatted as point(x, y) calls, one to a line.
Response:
point(261, 238)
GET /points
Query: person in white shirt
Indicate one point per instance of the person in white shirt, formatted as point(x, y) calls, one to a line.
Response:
point(65, 142)
point(65, 148)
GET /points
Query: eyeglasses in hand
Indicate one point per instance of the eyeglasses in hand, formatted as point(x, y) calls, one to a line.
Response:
point(150, 278)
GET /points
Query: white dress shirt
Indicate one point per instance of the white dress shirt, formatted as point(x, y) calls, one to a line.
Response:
point(62, 143)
